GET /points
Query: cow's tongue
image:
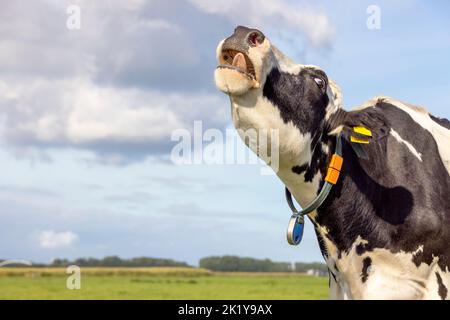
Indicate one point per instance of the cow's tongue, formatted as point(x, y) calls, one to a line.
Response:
point(239, 62)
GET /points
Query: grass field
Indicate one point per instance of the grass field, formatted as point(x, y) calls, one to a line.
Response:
point(158, 283)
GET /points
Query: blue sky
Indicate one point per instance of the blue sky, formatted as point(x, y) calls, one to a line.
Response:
point(86, 117)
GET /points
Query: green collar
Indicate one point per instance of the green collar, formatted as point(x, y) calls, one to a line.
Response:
point(296, 223)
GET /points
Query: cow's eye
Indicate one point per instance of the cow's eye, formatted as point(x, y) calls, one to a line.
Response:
point(320, 83)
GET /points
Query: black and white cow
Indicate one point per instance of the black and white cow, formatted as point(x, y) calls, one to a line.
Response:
point(384, 230)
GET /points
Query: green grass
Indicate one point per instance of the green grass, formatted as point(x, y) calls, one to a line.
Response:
point(200, 285)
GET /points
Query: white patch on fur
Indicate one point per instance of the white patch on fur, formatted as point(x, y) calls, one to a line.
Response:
point(334, 97)
point(258, 57)
point(325, 148)
point(367, 104)
point(411, 148)
point(392, 275)
point(285, 63)
point(336, 131)
point(337, 93)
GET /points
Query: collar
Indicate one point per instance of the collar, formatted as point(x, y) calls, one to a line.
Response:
point(296, 223)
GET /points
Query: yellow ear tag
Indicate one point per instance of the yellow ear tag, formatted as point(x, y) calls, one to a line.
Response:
point(357, 140)
point(363, 130)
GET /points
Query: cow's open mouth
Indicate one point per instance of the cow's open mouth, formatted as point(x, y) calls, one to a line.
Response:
point(238, 61)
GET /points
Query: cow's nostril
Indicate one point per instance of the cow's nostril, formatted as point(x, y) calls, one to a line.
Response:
point(255, 38)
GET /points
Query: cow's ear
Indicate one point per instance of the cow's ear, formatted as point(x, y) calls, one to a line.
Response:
point(357, 134)
point(358, 137)
point(360, 124)
point(359, 128)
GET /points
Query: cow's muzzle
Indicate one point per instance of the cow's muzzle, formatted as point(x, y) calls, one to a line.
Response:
point(235, 50)
point(236, 70)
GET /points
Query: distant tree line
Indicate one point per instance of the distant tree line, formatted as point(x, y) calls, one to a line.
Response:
point(114, 261)
point(240, 264)
point(222, 263)
point(234, 263)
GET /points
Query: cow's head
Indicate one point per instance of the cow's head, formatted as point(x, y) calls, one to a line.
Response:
point(270, 91)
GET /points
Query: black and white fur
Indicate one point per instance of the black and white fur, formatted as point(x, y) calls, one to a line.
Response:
point(384, 230)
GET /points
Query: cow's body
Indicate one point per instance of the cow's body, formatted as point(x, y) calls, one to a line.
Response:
point(384, 230)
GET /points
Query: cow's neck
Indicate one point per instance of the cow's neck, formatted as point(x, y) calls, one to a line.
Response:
point(297, 168)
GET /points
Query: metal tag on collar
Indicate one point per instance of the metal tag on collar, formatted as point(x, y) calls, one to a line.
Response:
point(295, 229)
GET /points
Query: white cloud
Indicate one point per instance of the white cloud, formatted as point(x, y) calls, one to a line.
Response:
point(50, 239)
point(312, 23)
point(77, 112)
point(133, 72)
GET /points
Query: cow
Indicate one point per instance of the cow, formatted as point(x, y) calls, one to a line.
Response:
point(384, 228)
